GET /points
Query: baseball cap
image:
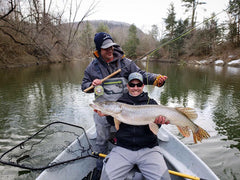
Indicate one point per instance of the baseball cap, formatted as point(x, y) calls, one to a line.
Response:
point(107, 43)
point(103, 40)
point(135, 75)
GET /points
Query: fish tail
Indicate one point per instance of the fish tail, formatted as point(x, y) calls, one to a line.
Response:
point(200, 134)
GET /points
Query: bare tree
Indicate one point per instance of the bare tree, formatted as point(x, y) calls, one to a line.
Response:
point(193, 5)
point(39, 29)
point(73, 31)
point(10, 10)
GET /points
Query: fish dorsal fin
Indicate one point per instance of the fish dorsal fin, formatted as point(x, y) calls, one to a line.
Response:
point(190, 113)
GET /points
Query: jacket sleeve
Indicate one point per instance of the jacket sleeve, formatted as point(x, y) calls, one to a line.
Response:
point(148, 78)
point(87, 80)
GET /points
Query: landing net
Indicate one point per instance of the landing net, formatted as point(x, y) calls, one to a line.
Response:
point(38, 151)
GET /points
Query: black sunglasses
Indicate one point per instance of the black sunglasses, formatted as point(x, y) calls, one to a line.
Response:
point(133, 85)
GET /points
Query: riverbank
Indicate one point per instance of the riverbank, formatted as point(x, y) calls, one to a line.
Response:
point(230, 57)
point(28, 61)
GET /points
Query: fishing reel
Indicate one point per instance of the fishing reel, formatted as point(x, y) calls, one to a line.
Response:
point(98, 90)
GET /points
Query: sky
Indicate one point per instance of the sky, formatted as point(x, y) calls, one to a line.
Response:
point(145, 13)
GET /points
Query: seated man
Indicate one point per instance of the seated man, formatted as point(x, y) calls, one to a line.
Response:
point(136, 145)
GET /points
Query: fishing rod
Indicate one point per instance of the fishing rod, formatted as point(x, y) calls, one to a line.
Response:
point(16, 164)
point(149, 53)
point(104, 79)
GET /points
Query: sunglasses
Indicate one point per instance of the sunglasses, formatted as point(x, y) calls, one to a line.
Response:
point(133, 85)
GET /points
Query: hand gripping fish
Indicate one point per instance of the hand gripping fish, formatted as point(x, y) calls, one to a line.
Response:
point(145, 114)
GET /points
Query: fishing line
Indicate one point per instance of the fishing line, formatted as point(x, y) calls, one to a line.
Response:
point(150, 53)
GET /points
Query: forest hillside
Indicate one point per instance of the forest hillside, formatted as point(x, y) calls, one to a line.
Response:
point(38, 37)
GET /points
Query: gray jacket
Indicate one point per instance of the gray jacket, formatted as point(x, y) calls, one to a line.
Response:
point(99, 69)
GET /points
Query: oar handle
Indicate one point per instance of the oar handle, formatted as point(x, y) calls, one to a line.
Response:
point(183, 175)
point(99, 154)
point(104, 79)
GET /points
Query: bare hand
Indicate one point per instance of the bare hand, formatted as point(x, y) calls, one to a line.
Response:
point(160, 79)
point(161, 120)
point(99, 113)
point(96, 82)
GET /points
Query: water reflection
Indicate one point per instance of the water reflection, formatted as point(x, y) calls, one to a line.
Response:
point(227, 115)
point(205, 86)
point(33, 97)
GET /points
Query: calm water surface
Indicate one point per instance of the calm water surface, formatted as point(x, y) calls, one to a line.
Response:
point(33, 97)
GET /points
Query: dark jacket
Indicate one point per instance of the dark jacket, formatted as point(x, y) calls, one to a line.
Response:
point(136, 137)
point(99, 69)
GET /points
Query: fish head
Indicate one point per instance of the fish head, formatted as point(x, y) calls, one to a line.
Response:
point(107, 107)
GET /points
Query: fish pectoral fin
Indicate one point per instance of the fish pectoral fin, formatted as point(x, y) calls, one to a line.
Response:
point(153, 127)
point(190, 113)
point(117, 123)
point(184, 131)
point(200, 134)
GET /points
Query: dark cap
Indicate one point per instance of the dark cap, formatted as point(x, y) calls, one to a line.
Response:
point(135, 75)
point(103, 40)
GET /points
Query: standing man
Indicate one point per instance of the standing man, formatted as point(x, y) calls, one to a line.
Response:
point(109, 57)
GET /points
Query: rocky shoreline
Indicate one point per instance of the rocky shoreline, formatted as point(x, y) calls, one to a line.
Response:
point(219, 62)
point(232, 61)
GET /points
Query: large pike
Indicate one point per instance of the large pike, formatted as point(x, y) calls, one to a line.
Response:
point(145, 114)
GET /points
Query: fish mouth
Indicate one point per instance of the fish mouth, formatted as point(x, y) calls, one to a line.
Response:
point(93, 106)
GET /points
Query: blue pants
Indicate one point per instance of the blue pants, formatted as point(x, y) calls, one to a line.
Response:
point(120, 161)
point(103, 135)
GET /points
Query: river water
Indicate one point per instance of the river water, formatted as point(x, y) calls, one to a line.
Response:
point(33, 97)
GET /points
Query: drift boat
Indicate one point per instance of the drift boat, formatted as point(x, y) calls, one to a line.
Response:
point(181, 161)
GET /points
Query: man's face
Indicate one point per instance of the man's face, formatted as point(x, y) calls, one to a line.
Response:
point(137, 88)
point(107, 54)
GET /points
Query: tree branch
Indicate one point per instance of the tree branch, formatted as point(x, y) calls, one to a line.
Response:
point(18, 42)
point(13, 6)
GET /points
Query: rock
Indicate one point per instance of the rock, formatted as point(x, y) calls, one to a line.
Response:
point(203, 62)
point(235, 63)
point(219, 62)
point(232, 57)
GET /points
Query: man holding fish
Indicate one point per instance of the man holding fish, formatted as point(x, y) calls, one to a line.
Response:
point(135, 117)
point(109, 58)
point(136, 144)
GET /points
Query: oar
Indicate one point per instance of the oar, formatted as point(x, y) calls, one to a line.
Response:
point(184, 175)
point(170, 171)
point(104, 79)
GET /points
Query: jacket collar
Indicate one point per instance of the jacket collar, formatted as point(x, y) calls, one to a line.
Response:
point(117, 54)
point(137, 100)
